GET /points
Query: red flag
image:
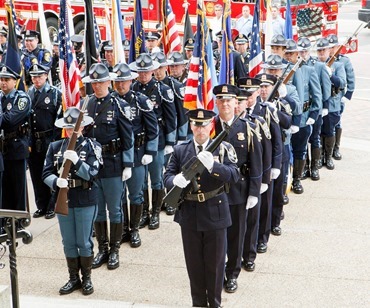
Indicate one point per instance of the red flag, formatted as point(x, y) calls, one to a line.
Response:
point(170, 35)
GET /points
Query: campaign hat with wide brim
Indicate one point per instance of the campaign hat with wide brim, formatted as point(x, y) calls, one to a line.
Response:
point(123, 72)
point(144, 63)
point(98, 72)
point(70, 117)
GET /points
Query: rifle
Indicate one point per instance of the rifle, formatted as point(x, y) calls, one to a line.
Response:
point(331, 60)
point(174, 195)
point(61, 206)
point(273, 95)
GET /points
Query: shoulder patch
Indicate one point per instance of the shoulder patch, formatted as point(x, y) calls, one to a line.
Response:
point(22, 103)
point(170, 94)
point(47, 56)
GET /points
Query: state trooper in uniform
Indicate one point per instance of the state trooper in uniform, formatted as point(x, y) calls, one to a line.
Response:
point(145, 128)
point(337, 75)
point(108, 60)
point(204, 214)
point(112, 128)
point(312, 102)
point(16, 107)
point(347, 92)
point(76, 228)
point(178, 66)
point(312, 167)
point(46, 108)
point(77, 42)
point(245, 193)
point(162, 98)
point(32, 54)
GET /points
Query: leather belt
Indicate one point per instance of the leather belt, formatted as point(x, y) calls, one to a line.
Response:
point(306, 106)
point(202, 197)
point(43, 134)
point(74, 183)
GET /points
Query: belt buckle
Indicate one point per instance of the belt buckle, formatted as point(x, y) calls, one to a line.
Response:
point(201, 197)
point(72, 183)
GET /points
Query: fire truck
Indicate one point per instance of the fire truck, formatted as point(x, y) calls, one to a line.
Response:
point(27, 13)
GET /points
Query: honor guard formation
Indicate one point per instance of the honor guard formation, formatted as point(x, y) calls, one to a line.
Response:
point(226, 173)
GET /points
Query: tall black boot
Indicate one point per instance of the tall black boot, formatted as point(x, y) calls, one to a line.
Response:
point(135, 213)
point(329, 147)
point(306, 170)
point(157, 199)
point(126, 230)
point(86, 265)
point(338, 135)
point(102, 237)
point(315, 158)
point(115, 243)
point(74, 282)
point(144, 221)
point(322, 161)
point(298, 166)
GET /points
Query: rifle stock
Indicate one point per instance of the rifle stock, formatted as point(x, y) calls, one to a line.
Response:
point(174, 195)
point(61, 206)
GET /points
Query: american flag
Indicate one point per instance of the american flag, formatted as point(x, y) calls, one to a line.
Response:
point(202, 74)
point(227, 62)
point(255, 57)
point(170, 35)
point(137, 45)
point(309, 21)
point(69, 73)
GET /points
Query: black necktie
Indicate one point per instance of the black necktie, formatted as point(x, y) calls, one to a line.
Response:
point(248, 110)
point(226, 126)
point(36, 97)
point(200, 148)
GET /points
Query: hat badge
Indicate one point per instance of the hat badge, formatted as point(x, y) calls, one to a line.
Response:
point(119, 73)
point(200, 115)
point(249, 82)
point(273, 62)
point(240, 35)
point(95, 75)
point(264, 78)
point(303, 44)
point(150, 33)
point(142, 63)
point(3, 70)
point(275, 40)
point(69, 119)
point(191, 41)
point(28, 32)
point(224, 89)
point(35, 67)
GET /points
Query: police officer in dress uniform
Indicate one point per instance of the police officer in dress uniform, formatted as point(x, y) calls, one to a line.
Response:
point(244, 194)
point(46, 108)
point(189, 48)
point(337, 75)
point(32, 54)
point(3, 40)
point(162, 98)
point(77, 41)
point(178, 67)
point(204, 214)
point(145, 128)
point(108, 60)
point(152, 42)
point(112, 128)
point(347, 91)
point(241, 45)
point(16, 107)
point(55, 65)
point(312, 169)
point(126, 48)
point(76, 228)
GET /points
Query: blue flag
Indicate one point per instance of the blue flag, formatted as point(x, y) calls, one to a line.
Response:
point(137, 45)
point(288, 22)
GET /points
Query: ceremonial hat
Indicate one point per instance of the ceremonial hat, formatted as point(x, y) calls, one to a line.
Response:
point(77, 41)
point(291, 46)
point(123, 72)
point(225, 91)
point(267, 79)
point(333, 40)
point(189, 44)
point(30, 34)
point(200, 117)
point(177, 58)
point(126, 44)
point(70, 117)
point(4, 31)
point(241, 39)
point(274, 62)
point(152, 35)
point(248, 83)
point(304, 43)
point(144, 63)
point(243, 94)
point(98, 72)
point(108, 45)
point(322, 43)
point(38, 69)
point(7, 72)
point(161, 58)
point(278, 40)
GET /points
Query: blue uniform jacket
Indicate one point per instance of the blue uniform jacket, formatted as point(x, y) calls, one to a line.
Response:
point(338, 81)
point(214, 213)
point(350, 76)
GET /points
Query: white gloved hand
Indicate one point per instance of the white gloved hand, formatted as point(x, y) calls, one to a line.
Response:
point(294, 129)
point(275, 172)
point(62, 183)
point(270, 104)
point(180, 181)
point(344, 100)
point(325, 112)
point(168, 149)
point(147, 159)
point(72, 156)
point(263, 188)
point(180, 141)
point(206, 158)
point(251, 202)
point(282, 90)
point(310, 121)
point(126, 173)
point(330, 72)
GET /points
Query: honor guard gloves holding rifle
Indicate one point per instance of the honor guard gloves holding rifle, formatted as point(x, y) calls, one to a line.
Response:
point(180, 181)
point(126, 173)
point(330, 72)
point(168, 149)
point(72, 156)
point(62, 183)
point(325, 112)
point(275, 172)
point(282, 91)
point(206, 158)
point(310, 121)
point(251, 202)
point(147, 159)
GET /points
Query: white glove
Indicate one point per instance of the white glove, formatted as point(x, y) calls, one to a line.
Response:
point(72, 156)
point(180, 181)
point(310, 121)
point(126, 173)
point(168, 149)
point(180, 141)
point(251, 202)
point(275, 172)
point(270, 104)
point(294, 129)
point(344, 100)
point(325, 112)
point(282, 90)
point(263, 188)
point(62, 183)
point(206, 158)
point(147, 159)
point(330, 72)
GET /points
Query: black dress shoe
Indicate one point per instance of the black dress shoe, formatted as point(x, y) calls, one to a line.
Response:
point(276, 231)
point(49, 214)
point(261, 248)
point(170, 210)
point(285, 199)
point(231, 285)
point(39, 213)
point(282, 215)
point(251, 266)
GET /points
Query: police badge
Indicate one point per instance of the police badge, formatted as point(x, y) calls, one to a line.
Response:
point(47, 100)
point(9, 106)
